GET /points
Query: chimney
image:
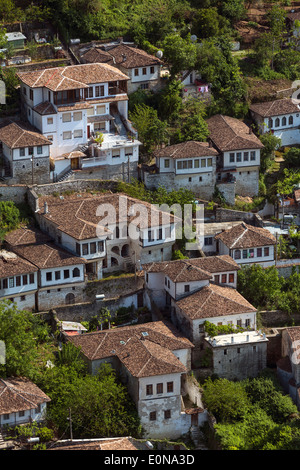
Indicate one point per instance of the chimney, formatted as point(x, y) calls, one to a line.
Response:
point(120, 40)
point(46, 208)
point(232, 339)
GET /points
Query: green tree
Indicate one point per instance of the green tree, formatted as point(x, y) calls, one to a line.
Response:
point(9, 217)
point(267, 153)
point(151, 130)
point(292, 157)
point(179, 53)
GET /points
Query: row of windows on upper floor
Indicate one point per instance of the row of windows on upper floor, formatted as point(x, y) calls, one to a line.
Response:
point(189, 164)
point(66, 274)
point(250, 253)
point(284, 121)
point(17, 281)
point(237, 157)
point(144, 70)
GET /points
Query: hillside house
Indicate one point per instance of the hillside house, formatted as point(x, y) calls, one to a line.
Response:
point(281, 117)
point(152, 360)
point(169, 281)
point(111, 232)
point(16, 39)
point(18, 280)
point(239, 149)
point(21, 402)
point(142, 69)
point(288, 369)
point(247, 245)
point(25, 154)
point(72, 106)
point(61, 275)
point(190, 165)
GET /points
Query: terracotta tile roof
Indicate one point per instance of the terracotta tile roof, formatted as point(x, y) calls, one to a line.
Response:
point(45, 108)
point(71, 77)
point(13, 265)
point(178, 270)
point(275, 108)
point(194, 269)
point(20, 134)
point(121, 55)
point(76, 214)
point(228, 133)
point(188, 149)
point(294, 15)
point(20, 394)
point(214, 301)
point(122, 443)
point(246, 236)
point(144, 349)
point(47, 255)
point(26, 236)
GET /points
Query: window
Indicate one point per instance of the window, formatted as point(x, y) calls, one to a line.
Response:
point(67, 135)
point(89, 92)
point(190, 179)
point(136, 72)
point(76, 272)
point(237, 254)
point(22, 152)
point(291, 120)
point(159, 388)
point(31, 94)
point(66, 117)
point(231, 278)
point(150, 236)
point(77, 116)
point(100, 246)
point(23, 298)
point(254, 348)
point(93, 248)
point(99, 90)
point(251, 253)
point(252, 155)
point(217, 279)
point(50, 137)
point(160, 234)
point(247, 322)
point(39, 149)
point(18, 281)
point(25, 280)
point(277, 122)
point(200, 178)
point(50, 121)
point(225, 352)
point(208, 241)
point(66, 273)
point(231, 157)
point(78, 133)
point(101, 109)
point(48, 277)
point(209, 162)
point(152, 416)
point(224, 278)
point(167, 163)
point(144, 71)
point(57, 275)
point(30, 150)
point(5, 284)
point(246, 156)
point(196, 163)
point(239, 156)
point(85, 249)
point(187, 288)
point(116, 153)
point(144, 86)
point(78, 252)
point(239, 322)
point(90, 111)
point(259, 252)
point(266, 251)
point(167, 414)
point(170, 387)
point(270, 123)
point(283, 122)
point(151, 69)
point(245, 254)
point(203, 162)
point(149, 389)
point(11, 282)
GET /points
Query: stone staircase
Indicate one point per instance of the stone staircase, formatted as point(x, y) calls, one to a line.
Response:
point(197, 438)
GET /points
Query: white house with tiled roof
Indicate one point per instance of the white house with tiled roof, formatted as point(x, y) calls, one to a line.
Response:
point(239, 154)
point(247, 244)
point(190, 165)
point(71, 106)
point(281, 117)
point(18, 280)
point(153, 360)
point(25, 152)
point(142, 69)
point(22, 402)
point(61, 275)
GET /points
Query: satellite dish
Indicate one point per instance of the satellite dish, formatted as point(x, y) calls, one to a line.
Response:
point(194, 38)
point(159, 54)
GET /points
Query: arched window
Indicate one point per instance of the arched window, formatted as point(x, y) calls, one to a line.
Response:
point(270, 123)
point(76, 272)
point(283, 122)
point(277, 122)
point(291, 120)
